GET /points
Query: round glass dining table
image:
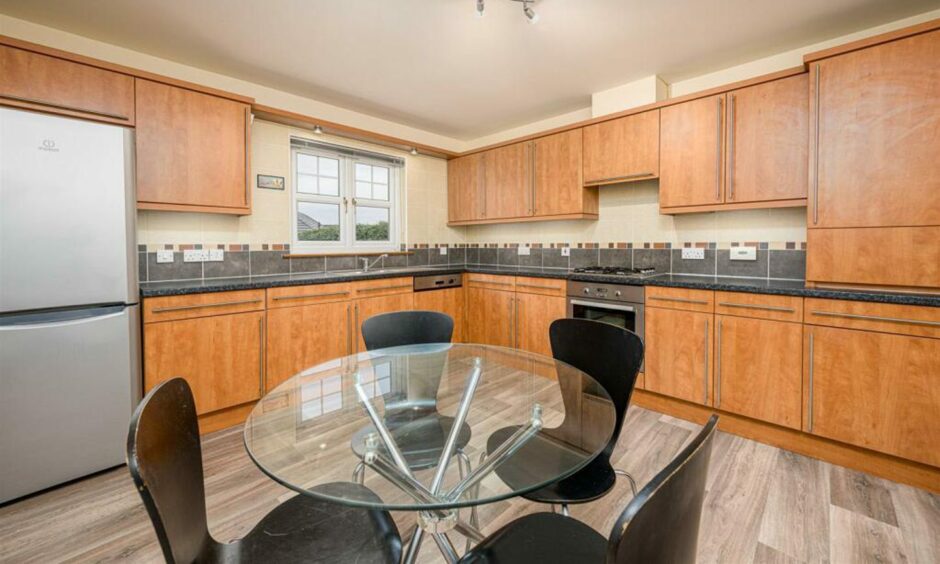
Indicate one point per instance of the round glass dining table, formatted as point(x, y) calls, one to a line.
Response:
point(430, 428)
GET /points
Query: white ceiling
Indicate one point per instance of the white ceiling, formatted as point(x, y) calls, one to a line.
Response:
point(433, 64)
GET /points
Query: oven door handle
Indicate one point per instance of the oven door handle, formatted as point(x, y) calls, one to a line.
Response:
point(603, 305)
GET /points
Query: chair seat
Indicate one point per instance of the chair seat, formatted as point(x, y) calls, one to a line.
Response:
point(542, 538)
point(305, 529)
point(588, 484)
point(420, 439)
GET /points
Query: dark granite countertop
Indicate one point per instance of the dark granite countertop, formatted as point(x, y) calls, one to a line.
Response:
point(727, 284)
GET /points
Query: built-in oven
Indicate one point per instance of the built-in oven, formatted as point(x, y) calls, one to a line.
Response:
point(617, 304)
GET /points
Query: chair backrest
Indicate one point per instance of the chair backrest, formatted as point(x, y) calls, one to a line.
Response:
point(609, 354)
point(164, 457)
point(660, 524)
point(407, 328)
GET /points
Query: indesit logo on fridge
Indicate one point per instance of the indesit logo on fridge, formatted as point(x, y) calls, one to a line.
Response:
point(48, 145)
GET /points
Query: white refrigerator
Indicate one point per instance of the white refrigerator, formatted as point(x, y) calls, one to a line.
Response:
point(69, 313)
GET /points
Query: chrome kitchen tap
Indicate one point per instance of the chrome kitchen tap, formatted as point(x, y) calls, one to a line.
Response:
point(366, 266)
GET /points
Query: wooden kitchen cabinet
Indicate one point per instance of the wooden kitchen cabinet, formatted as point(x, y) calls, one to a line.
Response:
point(192, 150)
point(303, 336)
point(451, 301)
point(767, 131)
point(622, 150)
point(875, 113)
point(507, 182)
point(465, 195)
point(557, 187)
point(365, 308)
point(490, 316)
point(874, 390)
point(679, 354)
point(535, 314)
point(691, 153)
point(37, 81)
point(220, 356)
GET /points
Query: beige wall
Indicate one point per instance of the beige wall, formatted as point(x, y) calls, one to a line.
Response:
point(424, 198)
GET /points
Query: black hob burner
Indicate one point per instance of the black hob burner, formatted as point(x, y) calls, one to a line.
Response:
point(617, 271)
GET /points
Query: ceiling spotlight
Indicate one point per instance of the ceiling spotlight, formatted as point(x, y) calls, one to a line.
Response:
point(414, 151)
point(317, 129)
point(480, 8)
point(529, 13)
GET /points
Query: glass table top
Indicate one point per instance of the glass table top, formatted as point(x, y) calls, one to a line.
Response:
point(384, 419)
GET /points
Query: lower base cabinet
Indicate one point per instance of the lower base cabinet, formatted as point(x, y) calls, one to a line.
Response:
point(304, 336)
point(450, 301)
point(535, 314)
point(367, 307)
point(490, 316)
point(679, 354)
point(879, 391)
point(221, 356)
point(759, 369)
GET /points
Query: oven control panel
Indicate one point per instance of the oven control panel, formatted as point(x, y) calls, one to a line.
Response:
point(613, 292)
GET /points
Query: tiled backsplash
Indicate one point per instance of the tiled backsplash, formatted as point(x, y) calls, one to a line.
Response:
point(774, 260)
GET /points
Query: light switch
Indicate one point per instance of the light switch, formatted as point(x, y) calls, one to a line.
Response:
point(524, 250)
point(693, 254)
point(443, 250)
point(566, 251)
point(164, 257)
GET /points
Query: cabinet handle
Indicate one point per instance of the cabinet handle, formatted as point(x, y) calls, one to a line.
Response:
point(200, 306)
point(398, 287)
point(482, 179)
point(731, 148)
point(760, 307)
point(816, 150)
point(302, 296)
point(512, 322)
point(356, 339)
point(922, 322)
point(249, 117)
point(809, 407)
point(64, 107)
point(490, 283)
point(718, 154)
point(261, 356)
point(680, 300)
point(532, 178)
point(518, 285)
point(518, 322)
point(705, 397)
point(616, 178)
point(718, 366)
point(348, 330)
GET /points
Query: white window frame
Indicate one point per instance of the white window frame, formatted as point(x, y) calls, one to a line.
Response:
point(348, 202)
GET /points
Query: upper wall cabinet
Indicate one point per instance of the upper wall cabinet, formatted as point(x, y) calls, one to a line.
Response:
point(876, 114)
point(192, 150)
point(622, 150)
point(42, 82)
point(743, 149)
point(528, 181)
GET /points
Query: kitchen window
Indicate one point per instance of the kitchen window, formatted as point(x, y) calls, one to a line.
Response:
point(344, 199)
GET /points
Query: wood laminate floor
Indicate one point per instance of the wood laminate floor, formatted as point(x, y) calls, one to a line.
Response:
point(763, 505)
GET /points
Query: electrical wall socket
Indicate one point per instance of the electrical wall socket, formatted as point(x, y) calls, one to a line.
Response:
point(196, 255)
point(523, 250)
point(443, 250)
point(216, 255)
point(164, 257)
point(566, 251)
point(693, 254)
point(743, 253)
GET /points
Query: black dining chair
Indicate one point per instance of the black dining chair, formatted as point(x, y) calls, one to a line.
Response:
point(612, 356)
point(164, 457)
point(660, 525)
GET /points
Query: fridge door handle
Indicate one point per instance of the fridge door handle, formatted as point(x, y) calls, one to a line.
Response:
point(79, 320)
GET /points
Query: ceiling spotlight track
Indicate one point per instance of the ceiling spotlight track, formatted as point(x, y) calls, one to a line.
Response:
point(527, 10)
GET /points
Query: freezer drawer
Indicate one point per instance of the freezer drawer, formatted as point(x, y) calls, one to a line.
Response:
point(68, 384)
point(67, 213)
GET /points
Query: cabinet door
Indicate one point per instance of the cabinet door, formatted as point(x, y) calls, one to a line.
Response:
point(304, 336)
point(691, 140)
point(191, 149)
point(557, 186)
point(220, 357)
point(490, 317)
point(622, 150)
point(877, 112)
point(535, 315)
point(450, 301)
point(465, 188)
point(507, 182)
point(35, 81)
point(768, 131)
point(679, 354)
point(874, 390)
point(759, 369)
point(367, 307)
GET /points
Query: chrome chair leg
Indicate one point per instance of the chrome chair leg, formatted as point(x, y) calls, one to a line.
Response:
point(629, 478)
point(564, 510)
point(359, 474)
